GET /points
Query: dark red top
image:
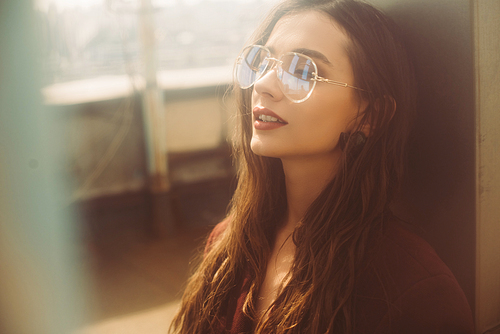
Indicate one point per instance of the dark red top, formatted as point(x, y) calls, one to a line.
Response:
point(406, 289)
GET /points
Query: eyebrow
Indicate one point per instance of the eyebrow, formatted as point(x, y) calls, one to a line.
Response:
point(308, 52)
point(313, 54)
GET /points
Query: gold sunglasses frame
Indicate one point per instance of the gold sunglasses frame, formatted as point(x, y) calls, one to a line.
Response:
point(277, 62)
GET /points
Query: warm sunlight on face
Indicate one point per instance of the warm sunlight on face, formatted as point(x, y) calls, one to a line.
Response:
point(312, 127)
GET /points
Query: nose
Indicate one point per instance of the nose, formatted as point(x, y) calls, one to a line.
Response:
point(267, 85)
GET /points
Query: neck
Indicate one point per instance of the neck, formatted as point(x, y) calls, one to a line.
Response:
point(305, 179)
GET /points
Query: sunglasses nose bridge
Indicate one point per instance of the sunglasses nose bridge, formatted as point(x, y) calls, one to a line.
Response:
point(272, 63)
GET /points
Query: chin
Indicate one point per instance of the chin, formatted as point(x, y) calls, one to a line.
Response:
point(259, 148)
point(259, 151)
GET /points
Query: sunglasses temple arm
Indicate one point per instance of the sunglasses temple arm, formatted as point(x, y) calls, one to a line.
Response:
point(338, 83)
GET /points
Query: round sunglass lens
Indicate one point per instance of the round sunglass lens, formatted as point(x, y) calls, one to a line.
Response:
point(295, 76)
point(250, 65)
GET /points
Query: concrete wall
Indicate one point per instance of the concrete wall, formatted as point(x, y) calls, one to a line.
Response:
point(487, 62)
point(452, 191)
point(439, 194)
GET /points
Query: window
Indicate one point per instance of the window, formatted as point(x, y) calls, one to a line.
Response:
point(85, 39)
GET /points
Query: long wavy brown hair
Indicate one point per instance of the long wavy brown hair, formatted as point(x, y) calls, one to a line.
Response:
point(342, 224)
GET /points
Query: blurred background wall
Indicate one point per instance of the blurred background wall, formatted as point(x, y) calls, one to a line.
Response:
point(486, 17)
point(439, 197)
point(449, 194)
point(197, 119)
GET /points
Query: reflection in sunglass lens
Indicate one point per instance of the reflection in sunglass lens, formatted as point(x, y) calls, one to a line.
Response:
point(294, 71)
point(251, 64)
point(295, 76)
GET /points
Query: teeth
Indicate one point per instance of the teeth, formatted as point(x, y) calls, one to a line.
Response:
point(267, 118)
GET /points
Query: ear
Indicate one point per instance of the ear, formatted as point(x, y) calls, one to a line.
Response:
point(386, 102)
point(391, 105)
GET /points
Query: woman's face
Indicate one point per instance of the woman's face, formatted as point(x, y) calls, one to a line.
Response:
point(311, 129)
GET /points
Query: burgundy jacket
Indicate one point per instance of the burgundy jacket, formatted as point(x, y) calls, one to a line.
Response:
point(406, 288)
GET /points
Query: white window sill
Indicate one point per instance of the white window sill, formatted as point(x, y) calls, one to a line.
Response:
point(118, 86)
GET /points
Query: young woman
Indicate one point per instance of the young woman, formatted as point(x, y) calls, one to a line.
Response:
point(326, 97)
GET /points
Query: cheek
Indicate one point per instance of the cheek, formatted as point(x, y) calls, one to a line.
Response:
point(337, 114)
point(326, 120)
point(323, 133)
point(255, 96)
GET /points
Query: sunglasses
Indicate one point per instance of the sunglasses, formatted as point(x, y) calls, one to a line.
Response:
point(297, 73)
